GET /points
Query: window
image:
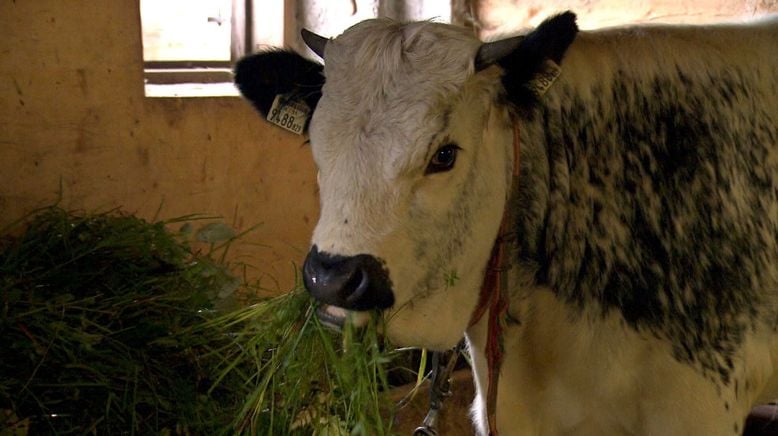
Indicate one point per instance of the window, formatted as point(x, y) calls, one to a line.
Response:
point(200, 30)
point(190, 46)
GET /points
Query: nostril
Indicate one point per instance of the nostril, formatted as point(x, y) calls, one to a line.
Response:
point(357, 286)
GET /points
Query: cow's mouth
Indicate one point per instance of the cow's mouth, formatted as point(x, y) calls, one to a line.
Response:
point(336, 317)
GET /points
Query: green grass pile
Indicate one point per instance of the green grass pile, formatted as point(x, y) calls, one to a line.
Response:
point(95, 310)
point(108, 326)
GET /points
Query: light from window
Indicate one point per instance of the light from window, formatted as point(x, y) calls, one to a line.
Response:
point(186, 30)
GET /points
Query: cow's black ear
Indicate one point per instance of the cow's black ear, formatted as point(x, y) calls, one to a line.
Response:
point(532, 58)
point(263, 76)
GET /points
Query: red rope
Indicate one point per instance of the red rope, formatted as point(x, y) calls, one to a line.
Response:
point(493, 296)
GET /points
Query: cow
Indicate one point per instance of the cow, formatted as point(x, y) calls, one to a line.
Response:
point(595, 211)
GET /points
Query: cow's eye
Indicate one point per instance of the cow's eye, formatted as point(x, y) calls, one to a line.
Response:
point(443, 159)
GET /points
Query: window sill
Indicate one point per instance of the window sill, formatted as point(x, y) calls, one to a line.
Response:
point(225, 89)
point(177, 79)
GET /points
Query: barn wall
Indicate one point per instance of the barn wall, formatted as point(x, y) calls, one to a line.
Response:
point(73, 114)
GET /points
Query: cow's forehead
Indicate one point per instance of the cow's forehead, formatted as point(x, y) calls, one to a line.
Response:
point(381, 46)
point(384, 78)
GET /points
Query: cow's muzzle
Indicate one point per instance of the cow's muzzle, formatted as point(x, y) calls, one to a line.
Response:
point(355, 283)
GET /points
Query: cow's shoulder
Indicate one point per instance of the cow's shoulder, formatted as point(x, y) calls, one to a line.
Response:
point(581, 373)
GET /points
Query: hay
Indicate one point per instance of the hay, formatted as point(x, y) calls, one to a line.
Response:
point(108, 326)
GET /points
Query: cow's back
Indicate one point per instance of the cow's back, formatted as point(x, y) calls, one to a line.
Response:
point(662, 193)
point(642, 51)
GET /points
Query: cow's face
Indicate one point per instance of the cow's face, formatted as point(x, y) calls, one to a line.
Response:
point(413, 147)
point(412, 178)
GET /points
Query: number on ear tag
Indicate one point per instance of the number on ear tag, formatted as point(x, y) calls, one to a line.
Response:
point(290, 114)
point(545, 78)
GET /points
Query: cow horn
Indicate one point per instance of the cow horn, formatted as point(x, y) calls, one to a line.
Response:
point(315, 42)
point(491, 52)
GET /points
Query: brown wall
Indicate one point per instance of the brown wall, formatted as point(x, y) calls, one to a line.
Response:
point(72, 112)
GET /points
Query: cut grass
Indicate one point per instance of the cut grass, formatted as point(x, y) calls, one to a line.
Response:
point(305, 378)
point(108, 326)
point(92, 334)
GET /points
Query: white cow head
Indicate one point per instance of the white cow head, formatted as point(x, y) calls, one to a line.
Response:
point(412, 135)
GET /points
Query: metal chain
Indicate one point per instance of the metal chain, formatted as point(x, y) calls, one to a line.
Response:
point(440, 388)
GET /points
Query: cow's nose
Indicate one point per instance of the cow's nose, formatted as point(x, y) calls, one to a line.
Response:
point(354, 282)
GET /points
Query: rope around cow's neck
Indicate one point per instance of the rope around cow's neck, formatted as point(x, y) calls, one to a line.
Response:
point(493, 297)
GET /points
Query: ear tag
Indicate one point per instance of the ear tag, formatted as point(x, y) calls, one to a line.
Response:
point(545, 78)
point(289, 114)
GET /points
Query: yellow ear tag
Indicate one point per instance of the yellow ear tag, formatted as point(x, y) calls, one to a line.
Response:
point(289, 114)
point(545, 78)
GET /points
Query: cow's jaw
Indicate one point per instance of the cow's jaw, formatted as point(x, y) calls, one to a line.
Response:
point(336, 317)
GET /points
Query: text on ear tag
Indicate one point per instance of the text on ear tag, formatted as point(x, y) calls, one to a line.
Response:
point(289, 114)
point(545, 78)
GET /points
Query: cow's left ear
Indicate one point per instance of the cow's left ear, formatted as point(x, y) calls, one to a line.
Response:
point(264, 76)
point(529, 61)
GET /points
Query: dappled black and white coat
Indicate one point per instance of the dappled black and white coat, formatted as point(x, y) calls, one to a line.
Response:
point(644, 262)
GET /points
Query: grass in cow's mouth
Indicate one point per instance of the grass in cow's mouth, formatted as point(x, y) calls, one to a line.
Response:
point(111, 324)
point(306, 377)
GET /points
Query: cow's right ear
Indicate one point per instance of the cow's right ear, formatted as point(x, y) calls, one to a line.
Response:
point(263, 76)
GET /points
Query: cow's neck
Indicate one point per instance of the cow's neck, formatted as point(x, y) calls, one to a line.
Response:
point(491, 314)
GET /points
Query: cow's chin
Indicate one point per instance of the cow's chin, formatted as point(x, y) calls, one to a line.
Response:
point(397, 328)
point(404, 329)
point(336, 317)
